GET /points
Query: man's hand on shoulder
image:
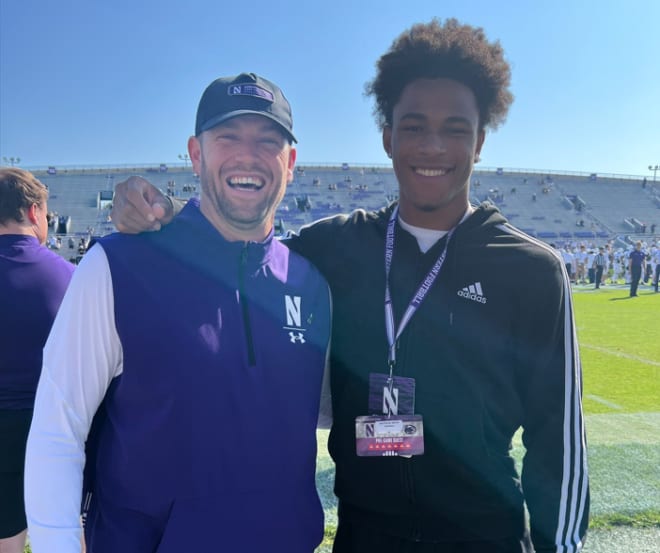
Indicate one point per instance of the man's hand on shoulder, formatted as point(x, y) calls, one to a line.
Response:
point(139, 206)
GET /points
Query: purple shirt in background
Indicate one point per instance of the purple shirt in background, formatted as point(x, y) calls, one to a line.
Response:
point(32, 284)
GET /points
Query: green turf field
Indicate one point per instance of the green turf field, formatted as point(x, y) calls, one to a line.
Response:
point(620, 349)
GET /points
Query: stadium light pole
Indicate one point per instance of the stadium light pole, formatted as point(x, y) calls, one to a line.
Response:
point(185, 158)
point(11, 160)
point(655, 169)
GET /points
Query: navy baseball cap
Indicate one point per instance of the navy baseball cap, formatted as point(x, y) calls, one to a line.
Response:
point(243, 94)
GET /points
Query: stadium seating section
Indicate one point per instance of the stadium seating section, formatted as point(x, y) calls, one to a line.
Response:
point(556, 208)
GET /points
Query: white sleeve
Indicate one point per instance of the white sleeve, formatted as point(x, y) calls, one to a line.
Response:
point(82, 355)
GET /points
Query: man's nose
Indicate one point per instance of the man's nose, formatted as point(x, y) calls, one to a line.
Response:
point(434, 143)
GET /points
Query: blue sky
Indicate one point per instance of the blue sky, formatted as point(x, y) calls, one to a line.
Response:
point(90, 82)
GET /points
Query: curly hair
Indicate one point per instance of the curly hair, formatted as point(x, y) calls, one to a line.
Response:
point(19, 189)
point(452, 51)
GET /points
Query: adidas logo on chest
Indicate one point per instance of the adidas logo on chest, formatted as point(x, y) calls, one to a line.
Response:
point(473, 292)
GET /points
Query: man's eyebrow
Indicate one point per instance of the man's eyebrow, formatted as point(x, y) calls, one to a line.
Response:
point(266, 126)
point(453, 119)
point(459, 119)
point(413, 115)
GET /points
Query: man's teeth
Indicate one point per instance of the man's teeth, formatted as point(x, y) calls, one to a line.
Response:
point(431, 172)
point(245, 182)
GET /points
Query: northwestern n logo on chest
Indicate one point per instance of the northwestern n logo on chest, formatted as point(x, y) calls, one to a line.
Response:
point(293, 313)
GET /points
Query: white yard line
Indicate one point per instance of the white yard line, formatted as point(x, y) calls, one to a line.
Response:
point(621, 354)
point(604, 402)
point(619, 428)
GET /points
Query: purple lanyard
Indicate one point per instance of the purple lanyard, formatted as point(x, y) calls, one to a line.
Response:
point(417, 299)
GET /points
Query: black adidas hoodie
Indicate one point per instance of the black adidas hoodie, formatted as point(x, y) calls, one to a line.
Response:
point(492, 348)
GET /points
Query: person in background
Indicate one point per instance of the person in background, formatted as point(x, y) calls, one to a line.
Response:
point(32, 284)
point(600, 262)
point(591, 270)
point(636, 263)
point(452, 329)
point(569, 261)
point(655, 259)
point(205, 397)
point(648, 268)
point(581, 259)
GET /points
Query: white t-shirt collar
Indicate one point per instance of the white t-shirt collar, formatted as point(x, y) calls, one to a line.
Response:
point(426, 237)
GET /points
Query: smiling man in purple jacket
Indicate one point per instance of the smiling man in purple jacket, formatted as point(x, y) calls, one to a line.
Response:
point(204, 346)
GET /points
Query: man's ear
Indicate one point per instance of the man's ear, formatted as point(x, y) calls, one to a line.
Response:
point(387, 141)
point(195, 153)
point(32, 214)
point(292, 162)
point(481, 136)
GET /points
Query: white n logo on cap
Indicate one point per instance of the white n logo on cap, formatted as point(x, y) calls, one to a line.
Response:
point(250, 89)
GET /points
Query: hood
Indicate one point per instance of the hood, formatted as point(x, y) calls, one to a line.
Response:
point(485, 216)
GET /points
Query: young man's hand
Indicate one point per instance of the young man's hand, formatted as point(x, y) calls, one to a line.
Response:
point(139, 206)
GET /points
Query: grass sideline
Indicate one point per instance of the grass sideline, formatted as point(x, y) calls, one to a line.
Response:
point(621, 371)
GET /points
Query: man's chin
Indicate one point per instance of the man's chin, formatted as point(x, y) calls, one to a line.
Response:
point(428, 208)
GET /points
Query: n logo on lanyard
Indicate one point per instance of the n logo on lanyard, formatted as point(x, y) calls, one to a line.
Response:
point(395, 399)
point(390, 401)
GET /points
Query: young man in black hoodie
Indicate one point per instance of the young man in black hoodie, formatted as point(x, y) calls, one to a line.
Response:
point(452, 329)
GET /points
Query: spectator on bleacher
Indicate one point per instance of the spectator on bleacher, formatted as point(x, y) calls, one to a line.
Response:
point(636, 264)
point(600, 262)
point(455, 281)
point(206, 437)
point(82, 245)
point(32, 283)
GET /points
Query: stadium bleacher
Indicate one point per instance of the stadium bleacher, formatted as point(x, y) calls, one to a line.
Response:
point(554, 208)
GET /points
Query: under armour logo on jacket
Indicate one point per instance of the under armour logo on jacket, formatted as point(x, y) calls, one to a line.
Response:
point(297, 337)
